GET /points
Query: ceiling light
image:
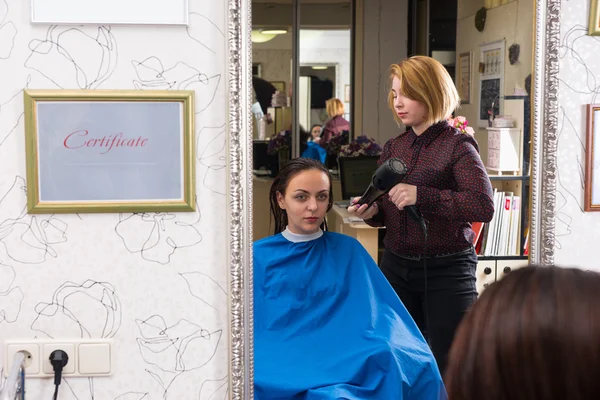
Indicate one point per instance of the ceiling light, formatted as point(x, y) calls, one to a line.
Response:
point(260, 37)
point(274, 31)
point(320, 67)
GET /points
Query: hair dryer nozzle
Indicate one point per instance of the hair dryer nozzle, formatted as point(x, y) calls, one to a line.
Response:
point(389, 174)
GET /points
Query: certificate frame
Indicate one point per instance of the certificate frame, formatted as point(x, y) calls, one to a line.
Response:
point(594, 19)
point(109, 151)
point(113, 12)
point(592, 159)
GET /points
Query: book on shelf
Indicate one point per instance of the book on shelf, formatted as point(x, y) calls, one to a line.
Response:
point(502, 235)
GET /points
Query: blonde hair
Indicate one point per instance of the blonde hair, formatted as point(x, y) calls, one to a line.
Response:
point(334, 107)
point(425, 80)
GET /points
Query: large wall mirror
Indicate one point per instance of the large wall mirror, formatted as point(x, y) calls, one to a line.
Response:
point(292, 58)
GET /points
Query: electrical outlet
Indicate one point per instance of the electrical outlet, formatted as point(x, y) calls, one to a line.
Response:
point(48, 348)
point(87, 357)
point(32, 357)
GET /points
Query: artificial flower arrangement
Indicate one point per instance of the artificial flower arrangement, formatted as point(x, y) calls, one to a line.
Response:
point(461, 124)
point(335, 143)
point(280, 141)
point(361, 146)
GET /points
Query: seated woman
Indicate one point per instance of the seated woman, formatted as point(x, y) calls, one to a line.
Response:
point(315, 133)
point(312, 148)
point(534, 335)
point(327, 324)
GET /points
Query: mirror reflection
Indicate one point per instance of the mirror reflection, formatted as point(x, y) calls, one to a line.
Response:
point(332, 85)
point(324, 88)
point(323, 63)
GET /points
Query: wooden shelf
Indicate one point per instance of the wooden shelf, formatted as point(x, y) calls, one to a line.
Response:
point(509, 177)
point(512, 144)
point(496, 258)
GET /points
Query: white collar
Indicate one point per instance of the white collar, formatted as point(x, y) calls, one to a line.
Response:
point(299, 237)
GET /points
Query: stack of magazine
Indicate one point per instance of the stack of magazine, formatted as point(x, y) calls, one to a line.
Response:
point(502, 235)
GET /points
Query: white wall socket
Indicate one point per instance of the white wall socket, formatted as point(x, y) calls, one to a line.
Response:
point(87, 357)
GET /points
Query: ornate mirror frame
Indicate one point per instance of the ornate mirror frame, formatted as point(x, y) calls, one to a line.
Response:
point(544, 140)
point(543, 171)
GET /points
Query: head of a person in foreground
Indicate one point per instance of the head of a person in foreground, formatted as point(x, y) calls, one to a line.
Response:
point(533, 335)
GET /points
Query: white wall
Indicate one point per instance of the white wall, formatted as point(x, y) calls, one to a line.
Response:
point(156, 282)
point(385, 36)
point(577, 233)
point(513, 22)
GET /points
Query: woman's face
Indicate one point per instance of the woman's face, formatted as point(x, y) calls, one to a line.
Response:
point(411, 112)
point(316, 131)
point(306, 200)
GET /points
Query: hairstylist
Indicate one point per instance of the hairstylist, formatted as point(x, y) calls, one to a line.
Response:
point(448, 184)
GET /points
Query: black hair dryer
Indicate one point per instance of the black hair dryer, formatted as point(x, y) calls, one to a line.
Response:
point(388, 175)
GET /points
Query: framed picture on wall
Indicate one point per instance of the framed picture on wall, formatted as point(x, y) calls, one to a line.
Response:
point(491, 81)
point(130, 12)
point(592, 159)
point(109, 151)
point(594, 18)
point(347, 94)
point(464, 71)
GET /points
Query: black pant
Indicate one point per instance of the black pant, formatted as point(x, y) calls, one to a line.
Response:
point(450, 292)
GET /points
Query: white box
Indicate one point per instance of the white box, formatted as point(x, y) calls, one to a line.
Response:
point(505, 150)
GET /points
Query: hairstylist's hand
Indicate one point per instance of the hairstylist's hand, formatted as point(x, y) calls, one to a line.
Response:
point(403, 195)
point(364, 211)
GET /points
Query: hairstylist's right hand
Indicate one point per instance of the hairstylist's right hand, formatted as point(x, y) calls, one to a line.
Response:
point(364, 211)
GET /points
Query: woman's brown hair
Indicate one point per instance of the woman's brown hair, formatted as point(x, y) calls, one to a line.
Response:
point(534, 335)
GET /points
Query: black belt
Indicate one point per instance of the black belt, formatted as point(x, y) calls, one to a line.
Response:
point(430, 256)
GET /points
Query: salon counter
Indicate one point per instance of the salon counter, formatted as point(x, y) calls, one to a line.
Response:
point(339, 220)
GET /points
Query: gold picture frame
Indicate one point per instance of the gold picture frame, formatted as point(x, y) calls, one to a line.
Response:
point(109, 151)
point(594, 19)
point(592, 145)
point(464, 73)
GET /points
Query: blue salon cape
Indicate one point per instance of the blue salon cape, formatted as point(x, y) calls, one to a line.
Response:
point(315, 151)
point(328, 325)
